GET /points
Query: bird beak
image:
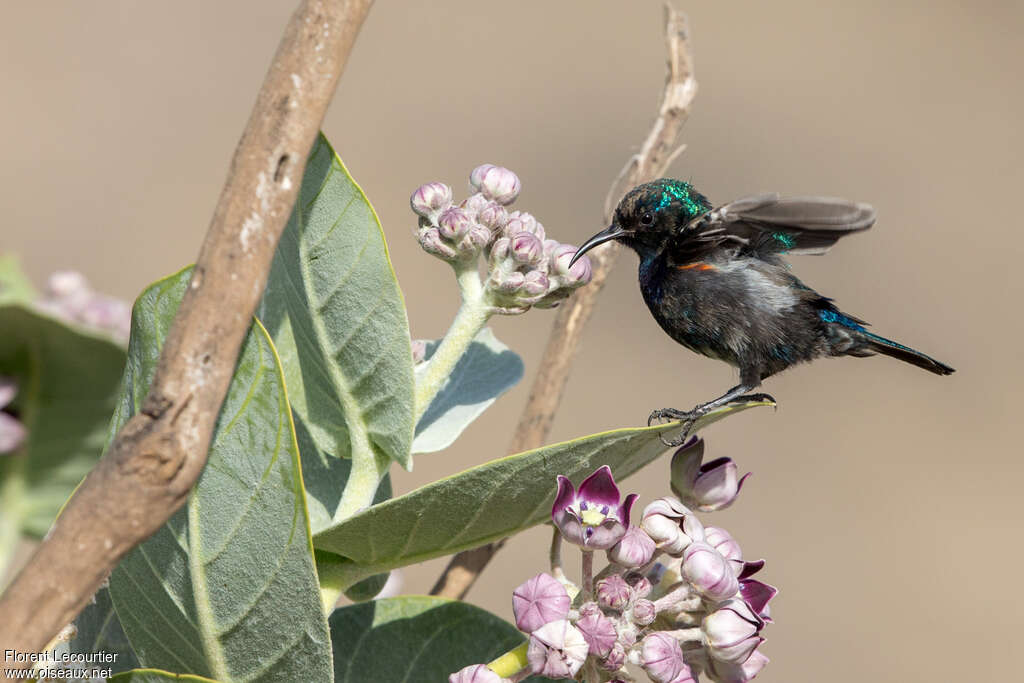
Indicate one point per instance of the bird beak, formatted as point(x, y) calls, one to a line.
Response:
point(613, 231)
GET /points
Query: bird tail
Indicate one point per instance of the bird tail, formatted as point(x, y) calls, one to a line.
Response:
point(888, 347)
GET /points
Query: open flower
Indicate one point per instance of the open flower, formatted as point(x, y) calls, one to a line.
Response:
point(557, 650)
point(592, 517)
point(706, 486)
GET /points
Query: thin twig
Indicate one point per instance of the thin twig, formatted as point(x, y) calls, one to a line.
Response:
point(657, 152)
point(157, 457)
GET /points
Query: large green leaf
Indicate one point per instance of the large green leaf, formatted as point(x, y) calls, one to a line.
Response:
point(334, 310)
point(67, 378)
point(487, 502)
point(15, 286)
point(486, 371)
point(436, 637)
point(97, 629)
point(227, 588)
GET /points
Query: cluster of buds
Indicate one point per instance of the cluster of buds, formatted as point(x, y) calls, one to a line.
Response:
point(676, 599)
point(12, 432)
point(69, 297)
point(524, 267)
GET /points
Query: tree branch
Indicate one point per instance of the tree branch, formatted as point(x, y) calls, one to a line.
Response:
point(657, 152)
point(154, 461)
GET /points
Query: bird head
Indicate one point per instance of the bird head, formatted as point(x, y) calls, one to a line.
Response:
point(649, 215)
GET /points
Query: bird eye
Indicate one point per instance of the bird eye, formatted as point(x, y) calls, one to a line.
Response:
point(647, 219)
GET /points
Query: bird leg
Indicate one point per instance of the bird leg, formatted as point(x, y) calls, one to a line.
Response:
point(737, 394)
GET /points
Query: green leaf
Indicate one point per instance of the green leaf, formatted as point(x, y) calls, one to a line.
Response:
point(227, 588)
point(486, 371)
point(68, 384)
point(15, 286)
point(436, 637)
point(156, 676)
point(97, 629)
point(337, 317)
point(487, 502)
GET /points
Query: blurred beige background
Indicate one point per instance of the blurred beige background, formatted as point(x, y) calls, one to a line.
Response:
point(884, 498)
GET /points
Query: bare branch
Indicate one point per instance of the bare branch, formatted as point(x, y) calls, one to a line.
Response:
point(157, 457)
point(654, 157)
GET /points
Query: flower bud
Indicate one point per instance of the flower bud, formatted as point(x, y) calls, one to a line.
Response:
point(557, 650)
point(12, 432)
point(521, 221)
point(598, 631)
point(500, 250)
point(644, 612)
point(662, 658)
point(708, 572)
point(613, 592)
point(726, 545)
point(641, 585)
point(507, 283)
point(492, 216)
point(635, 549)
point(453, 223)
point(476, 673)
point(671, 525)
point(526, 248)
point(538, 601)
point(737, 673)
point(495, 182)
point(615, 659)
point(430, 199)
point(732, 632)
point(535, 284)
point(575, 276)
point(474, 204)
point(432, 243)
point(419, 351)
point(476, 239)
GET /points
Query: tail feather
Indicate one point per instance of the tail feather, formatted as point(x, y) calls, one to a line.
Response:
point(888, 347)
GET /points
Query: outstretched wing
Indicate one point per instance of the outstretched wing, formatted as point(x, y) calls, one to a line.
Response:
point(769, 224)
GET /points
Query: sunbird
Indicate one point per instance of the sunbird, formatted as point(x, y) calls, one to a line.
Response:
point(716, 281)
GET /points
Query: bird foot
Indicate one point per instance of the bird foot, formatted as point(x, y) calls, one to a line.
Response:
point(688, 418)
point(754, 398)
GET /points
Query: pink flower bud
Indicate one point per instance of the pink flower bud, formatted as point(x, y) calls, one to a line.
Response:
point(476, 239)
point(598, 631)
point(641, 586)
point(432, 243)
point(665, 513)
point(12, 433)
point(726, 545)
point(662, 658)
point(732, 632)
point(615, 658)
point(613, 592)
point(538, 601)
point(526, 248)
point(737, 673)
point(634, 550)
point(557, 650)
point(708, 572)
point(644, 612)
point(536, 283)
point(508, 282)
point(419, 350)
point(492, 216)
point(521, 221)
point(501, 249)
point(430, 199)
point(578, 274)
point(474, 204)
point(453, 223)
point(495, 182)
point(476, 673)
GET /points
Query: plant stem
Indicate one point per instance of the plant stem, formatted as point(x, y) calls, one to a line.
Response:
point(472, 316)
point(587, 569)
point(368, 469)
point(510, 663)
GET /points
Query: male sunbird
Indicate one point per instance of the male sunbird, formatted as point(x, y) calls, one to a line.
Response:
point(716, 282)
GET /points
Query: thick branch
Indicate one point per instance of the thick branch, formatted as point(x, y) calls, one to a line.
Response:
point(657, 152)
point(157, 457)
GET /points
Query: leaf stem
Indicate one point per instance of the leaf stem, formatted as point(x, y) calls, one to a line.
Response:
point(472, 316)
point(510, 663)
point(368, 470)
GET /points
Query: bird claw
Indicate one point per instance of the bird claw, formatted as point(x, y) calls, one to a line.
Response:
point(688, 418)
point(754, 398)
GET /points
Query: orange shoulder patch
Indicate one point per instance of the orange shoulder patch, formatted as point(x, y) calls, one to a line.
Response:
point(700, 265)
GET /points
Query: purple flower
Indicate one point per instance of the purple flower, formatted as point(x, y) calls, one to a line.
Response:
point(476, 673)
point(708, 487)
point(593, 516)
point(526, 248)
point(635, 549)
point(724, 543)
point(598, 631)
point(615, 659)
point(732, 632)
point(662, 658)
point(644, 612)
point(430, 199)
point(613, 592)
point(492, 216)
point(708, 572)
point(453, 223)
point(495, 183)
point(757, 595)
point(557, 650)
point(538, 601)
point(12, 432)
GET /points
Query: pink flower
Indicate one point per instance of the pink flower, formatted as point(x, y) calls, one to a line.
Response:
point(538, 601)
point(592, 517)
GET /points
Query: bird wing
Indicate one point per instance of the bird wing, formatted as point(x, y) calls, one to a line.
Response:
point(770, 224)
